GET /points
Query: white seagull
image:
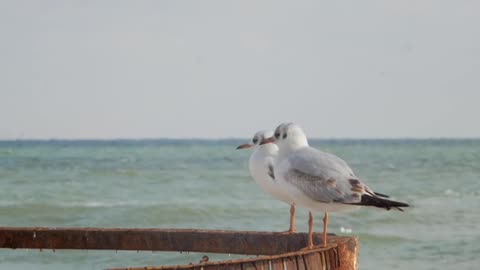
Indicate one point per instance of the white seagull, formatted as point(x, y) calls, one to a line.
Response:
point(318, 180)
point(261, 169)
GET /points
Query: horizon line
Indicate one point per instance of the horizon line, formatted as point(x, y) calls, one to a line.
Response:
point(230, 138)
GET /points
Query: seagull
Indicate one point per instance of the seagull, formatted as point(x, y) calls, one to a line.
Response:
point(319, 180)
point(261, 169)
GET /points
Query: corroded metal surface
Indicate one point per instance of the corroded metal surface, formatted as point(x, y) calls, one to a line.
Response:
point(339, 256)
point(283, 249)
point(321, 258)
point(213, 241)
point(349, 251)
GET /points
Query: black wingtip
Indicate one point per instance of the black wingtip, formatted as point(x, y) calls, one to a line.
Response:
point(381, 195)
point(368, 200)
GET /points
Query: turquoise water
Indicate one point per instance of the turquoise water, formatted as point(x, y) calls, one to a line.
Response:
point(205, 184)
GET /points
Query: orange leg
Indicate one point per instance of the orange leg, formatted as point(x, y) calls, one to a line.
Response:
point(310, 230)
point(325, 228)
point(293, 227)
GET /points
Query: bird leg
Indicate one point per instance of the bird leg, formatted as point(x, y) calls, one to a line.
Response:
point(293, 227)
point(310, 230)
point(325, 228)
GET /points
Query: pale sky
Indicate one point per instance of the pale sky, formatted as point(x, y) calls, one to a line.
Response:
point(215, 69)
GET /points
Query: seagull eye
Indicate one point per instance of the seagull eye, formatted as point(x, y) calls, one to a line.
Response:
point(277, 135)
point(255, 140)
point(285, 135)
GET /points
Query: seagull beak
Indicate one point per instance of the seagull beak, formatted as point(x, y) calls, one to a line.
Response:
point(268, 140)
point(243, 146)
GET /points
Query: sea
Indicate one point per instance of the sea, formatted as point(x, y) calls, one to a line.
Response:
point(205, 184)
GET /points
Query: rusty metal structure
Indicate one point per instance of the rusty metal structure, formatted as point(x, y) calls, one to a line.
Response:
point(275, 250)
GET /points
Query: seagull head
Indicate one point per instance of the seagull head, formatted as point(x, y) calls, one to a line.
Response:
point(257, 140)
point(288, 136)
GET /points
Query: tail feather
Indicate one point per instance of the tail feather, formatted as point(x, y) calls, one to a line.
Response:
point(368, 200)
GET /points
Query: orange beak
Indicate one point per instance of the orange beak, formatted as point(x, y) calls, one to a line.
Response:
point(244, 146)
point(268, 140)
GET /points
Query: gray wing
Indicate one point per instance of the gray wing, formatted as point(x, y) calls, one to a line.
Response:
point(323, 177)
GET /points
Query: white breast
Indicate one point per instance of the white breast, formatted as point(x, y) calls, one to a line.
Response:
point(259, 163)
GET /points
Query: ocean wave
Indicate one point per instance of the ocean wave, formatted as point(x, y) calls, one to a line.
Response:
point(450, 192)
point(346, 230)
point(380, 238)
point(7, 151)
point(87, 204)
